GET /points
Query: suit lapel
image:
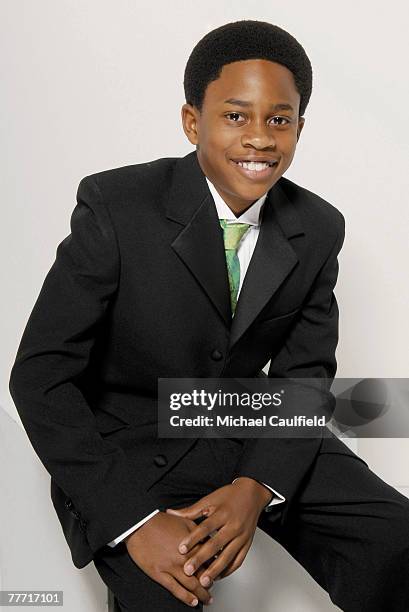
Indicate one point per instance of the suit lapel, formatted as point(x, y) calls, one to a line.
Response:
point(200, 245)
point(272, 261)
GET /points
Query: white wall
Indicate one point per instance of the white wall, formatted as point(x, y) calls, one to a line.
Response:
point(94, 84)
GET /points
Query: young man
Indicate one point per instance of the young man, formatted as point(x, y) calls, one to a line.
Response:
point(208, 265)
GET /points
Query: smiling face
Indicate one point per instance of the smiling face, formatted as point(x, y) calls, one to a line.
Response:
point(249, 113)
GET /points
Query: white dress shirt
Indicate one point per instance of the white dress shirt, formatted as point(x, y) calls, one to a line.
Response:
point(252, 216)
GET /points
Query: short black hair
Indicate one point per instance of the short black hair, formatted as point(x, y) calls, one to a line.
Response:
point(243, 40)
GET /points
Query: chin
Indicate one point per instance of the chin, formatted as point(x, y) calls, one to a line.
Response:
point(250, 195)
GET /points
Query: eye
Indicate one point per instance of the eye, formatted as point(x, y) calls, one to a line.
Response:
point(277, 120)
point(233, 114)
point(287, 121)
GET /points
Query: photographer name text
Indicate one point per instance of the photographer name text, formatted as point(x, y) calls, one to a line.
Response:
point(242, 421)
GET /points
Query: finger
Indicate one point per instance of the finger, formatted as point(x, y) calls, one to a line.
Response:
point(199, 573)
point(199, 533)
point(179, 591)
point(232, 567)
point(192, 512)
point(234, 564)
point(204, 565)
point(192, 584)
point(222, 560)
point(207, 550)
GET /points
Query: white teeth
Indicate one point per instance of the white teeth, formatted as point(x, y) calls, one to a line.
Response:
point(254, 165)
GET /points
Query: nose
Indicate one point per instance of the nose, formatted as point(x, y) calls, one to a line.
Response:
point(259, 135)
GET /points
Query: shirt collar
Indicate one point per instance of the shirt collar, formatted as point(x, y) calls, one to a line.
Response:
point(252, 215)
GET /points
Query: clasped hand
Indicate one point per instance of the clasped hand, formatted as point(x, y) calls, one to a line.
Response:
point(227, 532)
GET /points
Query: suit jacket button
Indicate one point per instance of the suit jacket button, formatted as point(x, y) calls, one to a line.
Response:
point(160, 460)
point(68, 504)
point(217, 355)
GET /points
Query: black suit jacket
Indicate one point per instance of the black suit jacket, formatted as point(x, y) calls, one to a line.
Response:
point(139, 290)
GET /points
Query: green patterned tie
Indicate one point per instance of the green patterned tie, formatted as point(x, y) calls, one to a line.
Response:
point(232, 234)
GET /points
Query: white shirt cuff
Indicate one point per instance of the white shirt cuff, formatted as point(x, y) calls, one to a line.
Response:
point(123, 535)
point(276, 499)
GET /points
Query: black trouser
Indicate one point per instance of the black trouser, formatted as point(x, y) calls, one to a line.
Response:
point(347, 528)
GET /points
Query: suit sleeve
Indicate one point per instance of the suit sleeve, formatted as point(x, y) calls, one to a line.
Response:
point(53, 353)
point(308, 352)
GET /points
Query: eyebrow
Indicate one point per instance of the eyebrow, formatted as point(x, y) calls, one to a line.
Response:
point(274, 107)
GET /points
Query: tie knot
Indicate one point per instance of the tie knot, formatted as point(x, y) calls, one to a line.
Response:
point(233, 233)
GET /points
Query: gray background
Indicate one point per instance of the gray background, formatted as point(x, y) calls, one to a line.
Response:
point(90, 85)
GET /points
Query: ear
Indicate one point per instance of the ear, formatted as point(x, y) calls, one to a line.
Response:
point(300, 126)
point(190, 116)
